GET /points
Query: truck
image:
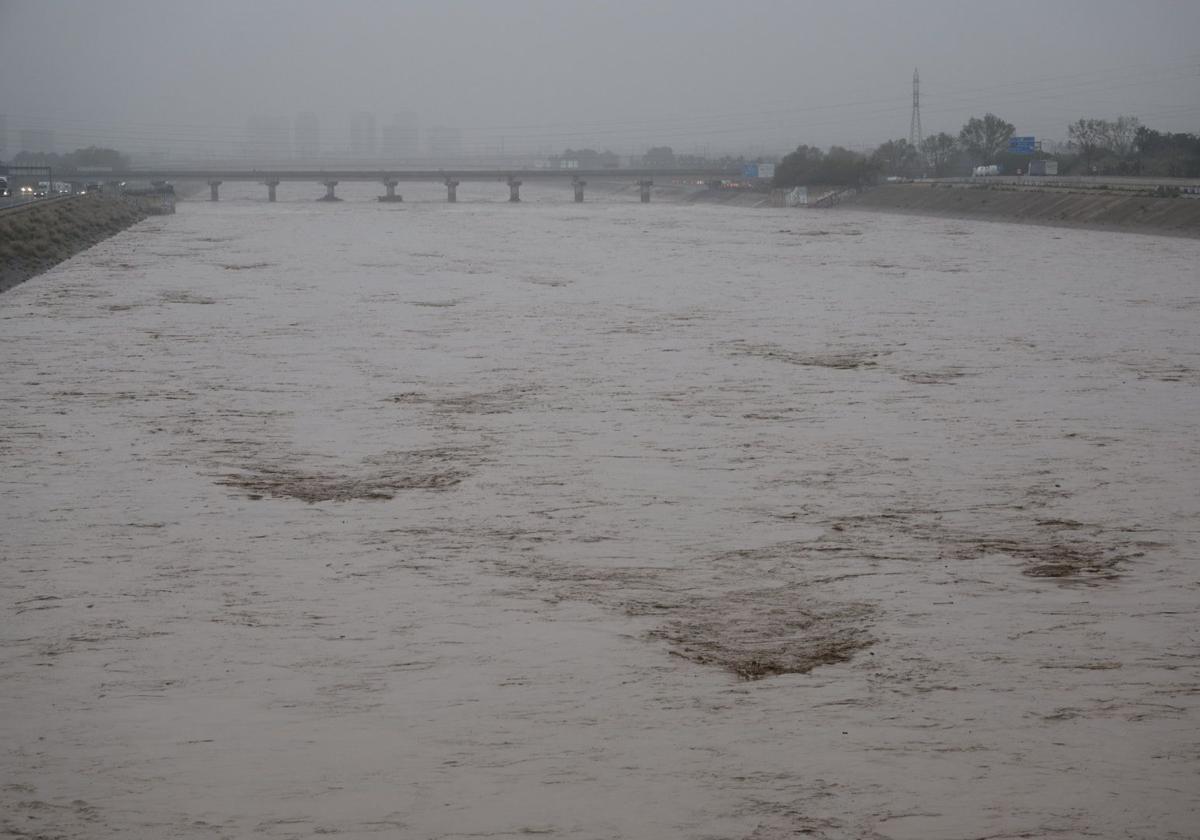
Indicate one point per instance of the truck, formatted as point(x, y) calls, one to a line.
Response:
point(1043, 167)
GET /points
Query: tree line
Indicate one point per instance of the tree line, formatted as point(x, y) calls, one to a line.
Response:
point(70, 163)
point(1122, 146)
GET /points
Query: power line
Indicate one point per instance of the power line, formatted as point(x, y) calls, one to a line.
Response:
point(1090, 79)
point(658, 129)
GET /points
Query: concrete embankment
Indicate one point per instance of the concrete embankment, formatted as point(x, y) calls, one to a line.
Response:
point(729, 198)
point(34, 239)
point(1093, 208)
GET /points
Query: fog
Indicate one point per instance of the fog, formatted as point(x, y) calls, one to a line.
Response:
point(701, 76)
point(841, 496)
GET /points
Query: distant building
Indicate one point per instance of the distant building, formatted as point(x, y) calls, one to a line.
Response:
point(36, 140)
point(306, 137)
point(364, 140)
point(401, 138)
point(445, 141)
point(268, 139)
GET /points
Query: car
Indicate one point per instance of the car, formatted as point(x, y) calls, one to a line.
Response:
point(3, 187)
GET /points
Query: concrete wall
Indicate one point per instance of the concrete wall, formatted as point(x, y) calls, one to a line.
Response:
point(1085, 208)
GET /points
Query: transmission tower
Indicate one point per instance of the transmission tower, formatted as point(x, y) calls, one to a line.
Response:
point(914, 129)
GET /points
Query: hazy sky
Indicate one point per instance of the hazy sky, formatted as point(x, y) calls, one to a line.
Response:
point(757, 75)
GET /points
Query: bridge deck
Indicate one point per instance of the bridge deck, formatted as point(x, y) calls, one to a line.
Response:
point(167, 174)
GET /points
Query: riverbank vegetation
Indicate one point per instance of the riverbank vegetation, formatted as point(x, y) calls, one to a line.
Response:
point(1120, 146)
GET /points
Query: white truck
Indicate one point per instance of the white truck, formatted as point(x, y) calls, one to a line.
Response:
point(1043, 167)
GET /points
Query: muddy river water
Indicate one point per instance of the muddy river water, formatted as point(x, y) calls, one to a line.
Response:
point(600, 521)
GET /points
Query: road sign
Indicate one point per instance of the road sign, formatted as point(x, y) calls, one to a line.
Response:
point(1022, 145)
point(758, 170)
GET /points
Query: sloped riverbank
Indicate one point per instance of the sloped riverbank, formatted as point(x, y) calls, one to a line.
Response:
point(36, 238)
point(1086, 208)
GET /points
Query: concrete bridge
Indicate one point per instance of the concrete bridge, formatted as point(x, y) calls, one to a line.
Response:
point(271, 178)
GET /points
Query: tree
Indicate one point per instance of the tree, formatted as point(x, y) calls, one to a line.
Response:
point(1173, 155)
point(1088, 137)
point(89, 158)
point(984, 138)
point(1106, 145)
point(837, 167)
point(939, 151)
point(843, 167)
point(93, 156)
point(897, 157)
point(798, 167)
point(1121, 136)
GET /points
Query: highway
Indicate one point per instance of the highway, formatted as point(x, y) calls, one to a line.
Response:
point(15, 204)
point(17, 200)
point(1110, 182)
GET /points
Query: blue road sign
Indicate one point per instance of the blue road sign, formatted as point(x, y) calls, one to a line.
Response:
point(1021, 145)
point(750, 170)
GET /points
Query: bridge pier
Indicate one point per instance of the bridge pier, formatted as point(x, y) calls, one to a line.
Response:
point(645, 184)
point(212, 190)
point(578, 185)
point(390, 185)
point(451, 190)
point(514, 189)
point(271, 183)
point(329, 196)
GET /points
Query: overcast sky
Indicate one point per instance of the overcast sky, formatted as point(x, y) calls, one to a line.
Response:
point(757, 75)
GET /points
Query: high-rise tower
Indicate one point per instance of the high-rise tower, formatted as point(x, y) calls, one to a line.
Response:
point(914, 128)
